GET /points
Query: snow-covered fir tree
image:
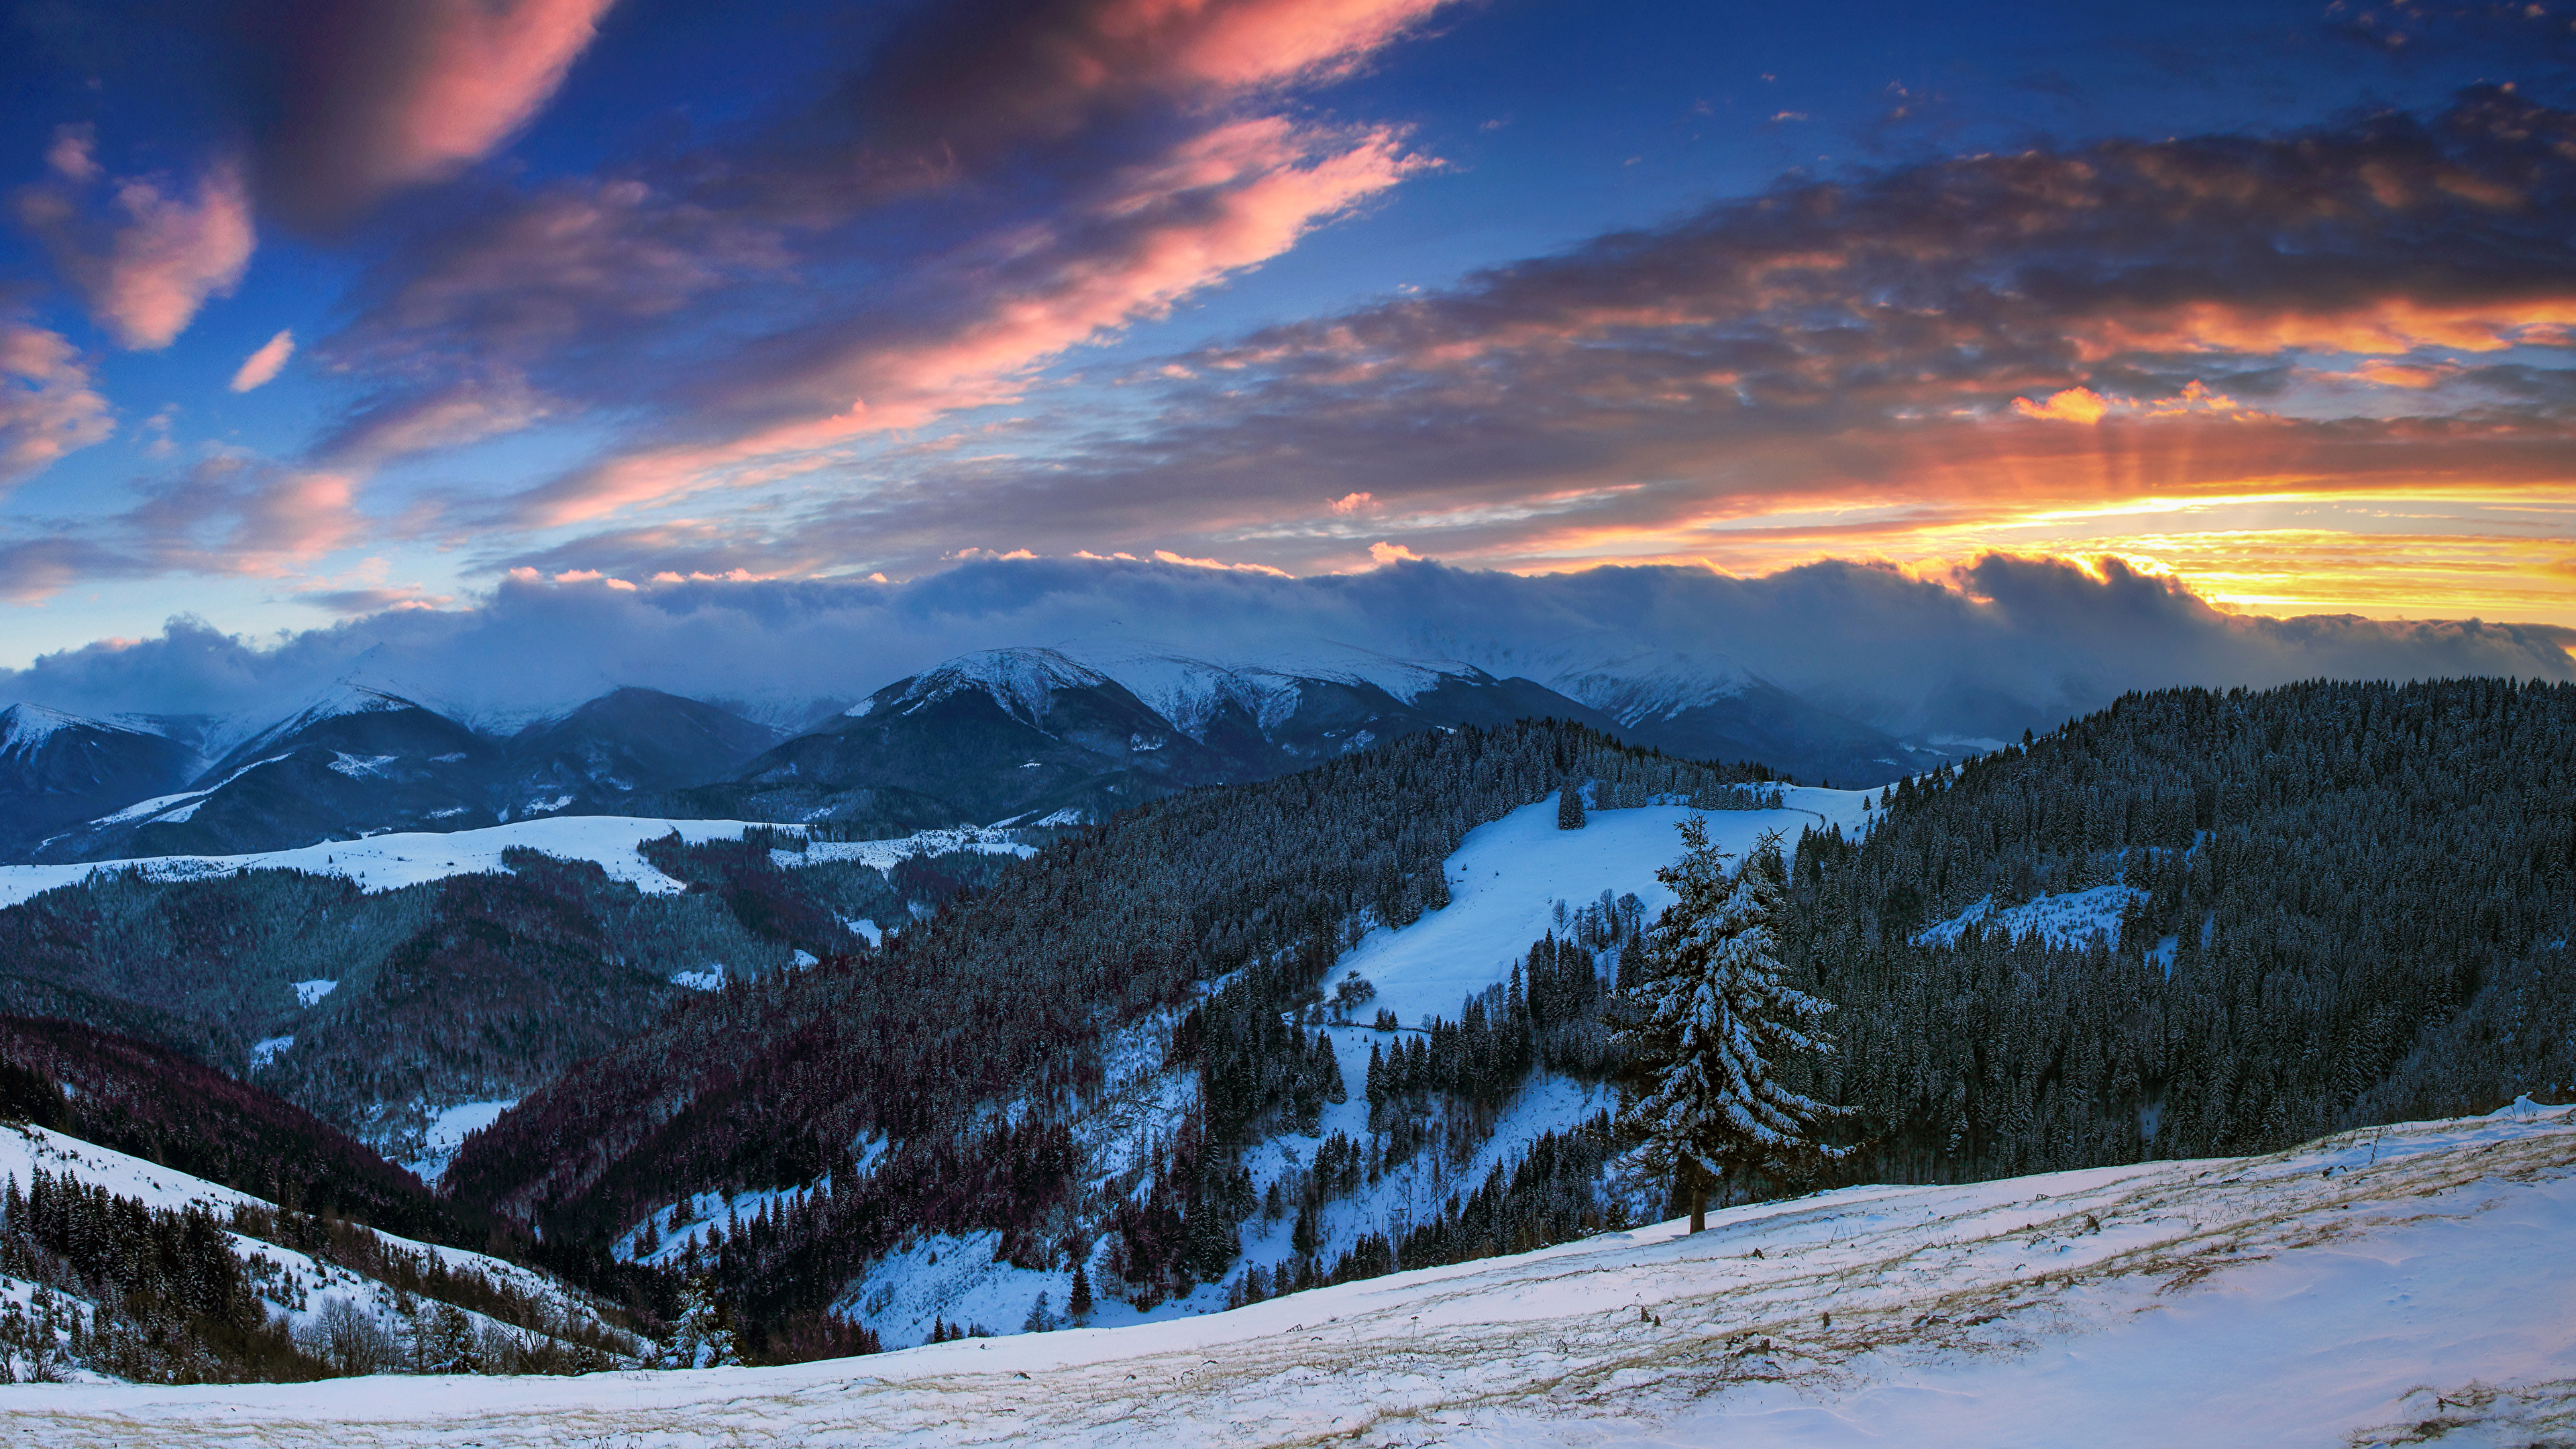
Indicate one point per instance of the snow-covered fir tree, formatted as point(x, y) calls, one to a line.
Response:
point(1569, 806)
point(703, 1337)
point(1710, 1024)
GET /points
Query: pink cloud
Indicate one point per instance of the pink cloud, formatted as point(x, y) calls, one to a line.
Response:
point(263, 365)
point(392, 93)
point(147, 255)
point(47, 406)
point(1222, 201)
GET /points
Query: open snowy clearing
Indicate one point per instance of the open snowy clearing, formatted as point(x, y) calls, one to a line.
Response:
point(2407, 1285)
point(1505, 879)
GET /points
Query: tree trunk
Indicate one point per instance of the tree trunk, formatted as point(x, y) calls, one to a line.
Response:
point(1698, 1183)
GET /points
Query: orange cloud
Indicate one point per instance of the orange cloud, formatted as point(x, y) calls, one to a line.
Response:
point(2072, 405)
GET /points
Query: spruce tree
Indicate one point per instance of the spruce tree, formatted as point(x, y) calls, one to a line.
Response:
point(1077, 1302)
point(1569, 806)
point(1709, 1025)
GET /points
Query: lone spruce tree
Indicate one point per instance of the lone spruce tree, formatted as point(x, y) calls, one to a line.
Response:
point(1569, 806)
point(1709, 1024)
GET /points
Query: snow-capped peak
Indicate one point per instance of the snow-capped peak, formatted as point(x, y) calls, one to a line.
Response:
point(1658, 684)
point(344, 698)
point(24, 728)
point(1189, 689)
point(1022, 681)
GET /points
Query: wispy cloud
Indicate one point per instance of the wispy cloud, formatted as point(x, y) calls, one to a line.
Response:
point(47, 405)
point(262, 366)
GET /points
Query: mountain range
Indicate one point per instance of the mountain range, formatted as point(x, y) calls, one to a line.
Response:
point(1025, 735)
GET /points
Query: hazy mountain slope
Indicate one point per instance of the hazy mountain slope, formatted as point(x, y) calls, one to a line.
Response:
point(2348, 1292)
point(627, 741)
point(1009, 734)
point(355, 761)
point(158, 1105)
point(58, 770)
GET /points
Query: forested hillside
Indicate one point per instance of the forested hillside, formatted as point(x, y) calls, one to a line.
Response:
point(2324, 906)
point(373, 1009)
point(1007, 997)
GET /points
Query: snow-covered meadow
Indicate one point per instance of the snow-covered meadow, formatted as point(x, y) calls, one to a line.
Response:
point(389, 862)
point(2404, 1285)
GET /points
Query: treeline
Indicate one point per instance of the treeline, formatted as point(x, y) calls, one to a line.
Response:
point(161, 1295)
point(2349, 904)
point(170, 1303)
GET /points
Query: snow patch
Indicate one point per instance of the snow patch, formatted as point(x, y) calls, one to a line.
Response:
point(448, 1129)
point(1022, 681)
point(886, 854)
point(2068, 921)
point(266, 1050)
point(710, 979)
point(309, 992)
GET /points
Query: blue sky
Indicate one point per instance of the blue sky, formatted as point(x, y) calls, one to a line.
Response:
point(2270, 299)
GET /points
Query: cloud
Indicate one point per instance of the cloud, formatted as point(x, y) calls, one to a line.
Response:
point(370, 96)
point(974, 78)
point(144, 253)
point(361, 602)
point(263, 365)
point(47, 406)
point(2005, 644)
point(1828, 367)
point(2071, 405)
point(224, 515)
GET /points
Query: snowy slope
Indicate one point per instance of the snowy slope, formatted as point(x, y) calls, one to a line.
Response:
point(25, 1148)
point(1506, 878)
point(386, 862)
point(1021, 681)
point(2068, 920)
point(2350, 1292)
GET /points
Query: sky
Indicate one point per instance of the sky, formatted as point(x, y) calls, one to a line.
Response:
point(314, 313)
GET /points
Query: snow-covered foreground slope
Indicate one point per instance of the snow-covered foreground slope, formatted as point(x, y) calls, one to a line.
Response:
point(25, 1149)
point(388, 862)
point(2364, 1289)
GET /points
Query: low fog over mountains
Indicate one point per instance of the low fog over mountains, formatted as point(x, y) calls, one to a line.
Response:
point(1021, 690)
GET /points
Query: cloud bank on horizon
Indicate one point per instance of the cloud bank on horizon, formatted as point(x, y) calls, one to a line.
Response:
point(2003, 645)
point(627, 291)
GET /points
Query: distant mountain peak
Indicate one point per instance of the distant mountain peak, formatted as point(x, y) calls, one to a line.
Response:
point(1022, 682)
point(24, 728)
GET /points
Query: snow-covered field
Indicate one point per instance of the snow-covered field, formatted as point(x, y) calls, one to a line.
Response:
point(1506, 878)
point(388, 862)
point(2407, 1286)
